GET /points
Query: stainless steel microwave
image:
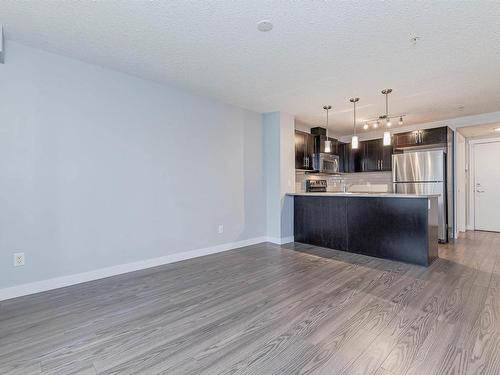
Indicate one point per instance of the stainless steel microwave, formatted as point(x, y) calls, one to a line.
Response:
point(326, 163)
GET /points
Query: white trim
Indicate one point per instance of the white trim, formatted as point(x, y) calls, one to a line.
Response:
point(472, 178)
point(280, 241)
point(62, 281)
point(469, 227)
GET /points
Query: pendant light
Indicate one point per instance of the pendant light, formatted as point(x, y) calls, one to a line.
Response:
point(387, 133)
point(328, 143)
point(354, 139)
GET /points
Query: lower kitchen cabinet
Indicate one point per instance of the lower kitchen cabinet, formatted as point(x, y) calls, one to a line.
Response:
point(398, 228)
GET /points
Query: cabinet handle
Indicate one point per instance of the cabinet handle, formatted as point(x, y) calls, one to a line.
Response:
point(381, 164)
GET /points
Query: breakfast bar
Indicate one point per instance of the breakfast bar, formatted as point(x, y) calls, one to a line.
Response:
point(401, 227)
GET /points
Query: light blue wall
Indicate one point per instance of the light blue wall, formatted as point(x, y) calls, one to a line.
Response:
point(98, 168)
point(279, 154)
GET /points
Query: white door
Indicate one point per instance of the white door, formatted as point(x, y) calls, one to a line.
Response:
point(487, 186)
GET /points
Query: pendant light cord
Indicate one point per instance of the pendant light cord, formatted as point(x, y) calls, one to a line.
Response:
point(327, 110)
point(386, 109)
point(354, 120)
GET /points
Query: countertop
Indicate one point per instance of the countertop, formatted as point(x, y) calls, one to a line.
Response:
point(366, 195)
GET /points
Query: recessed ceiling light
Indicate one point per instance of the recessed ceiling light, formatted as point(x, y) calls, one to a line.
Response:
point(264, 25)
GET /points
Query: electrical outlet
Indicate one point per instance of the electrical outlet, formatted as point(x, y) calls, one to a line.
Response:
point(18, 259)
point(221, 228)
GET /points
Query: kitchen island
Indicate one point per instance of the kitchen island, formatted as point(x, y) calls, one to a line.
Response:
point(402, 227)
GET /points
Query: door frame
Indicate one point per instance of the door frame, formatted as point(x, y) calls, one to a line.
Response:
point(472, 180)
point(461, 170)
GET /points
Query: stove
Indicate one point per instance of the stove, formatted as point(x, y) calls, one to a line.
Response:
point(316, 186)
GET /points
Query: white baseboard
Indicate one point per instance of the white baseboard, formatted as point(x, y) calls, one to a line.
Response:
point(469, 227)
point(59, 282)
point(280, 241)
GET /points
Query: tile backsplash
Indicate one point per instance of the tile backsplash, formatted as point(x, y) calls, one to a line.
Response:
point(364, 181)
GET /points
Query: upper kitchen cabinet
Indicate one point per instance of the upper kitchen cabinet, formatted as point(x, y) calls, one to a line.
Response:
point(424, 137)
point(304, 149)
point(320, 138)
point(320, 144)
point(350, 160)
point(371, 156)
point(376, 156)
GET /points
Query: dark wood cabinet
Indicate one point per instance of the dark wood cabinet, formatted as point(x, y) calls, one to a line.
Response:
point(386, 158)
point(393, 228)
point(433, 136)
point(320, 144)
point(343, 161)
point(424, 137)
point(350, 160)
point(376, 156)
point(304, 149)
point(308, 144)
point(371, 156)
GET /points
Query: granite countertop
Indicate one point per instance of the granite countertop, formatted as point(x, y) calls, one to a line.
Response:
point(367, 195)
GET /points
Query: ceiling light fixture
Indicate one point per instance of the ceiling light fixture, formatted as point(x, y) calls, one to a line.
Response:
point(328, 143)
point(354, 139)
point(386, 118)
point(387, 133)
point(497, 129)
point(365, 126)
point(264, 26)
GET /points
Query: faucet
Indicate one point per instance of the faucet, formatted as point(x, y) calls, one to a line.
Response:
point(345, 187)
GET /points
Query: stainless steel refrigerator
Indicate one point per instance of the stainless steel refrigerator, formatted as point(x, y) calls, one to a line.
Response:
point(423, 172)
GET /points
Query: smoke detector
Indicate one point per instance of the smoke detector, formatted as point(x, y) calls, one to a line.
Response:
point(264, 26)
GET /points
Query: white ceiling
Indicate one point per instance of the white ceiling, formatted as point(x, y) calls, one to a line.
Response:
point(319, 52)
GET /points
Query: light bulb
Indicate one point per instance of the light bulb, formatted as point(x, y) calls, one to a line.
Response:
point(375, 125)
point(328, 146)
point(365, 126)
point(400, 120)
point(387, 138)
point(354, 142)
point(388, 123)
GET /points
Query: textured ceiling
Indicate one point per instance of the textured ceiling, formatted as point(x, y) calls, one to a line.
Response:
point(319, 52)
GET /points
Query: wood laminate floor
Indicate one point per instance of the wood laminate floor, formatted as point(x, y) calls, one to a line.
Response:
point(268, 309)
